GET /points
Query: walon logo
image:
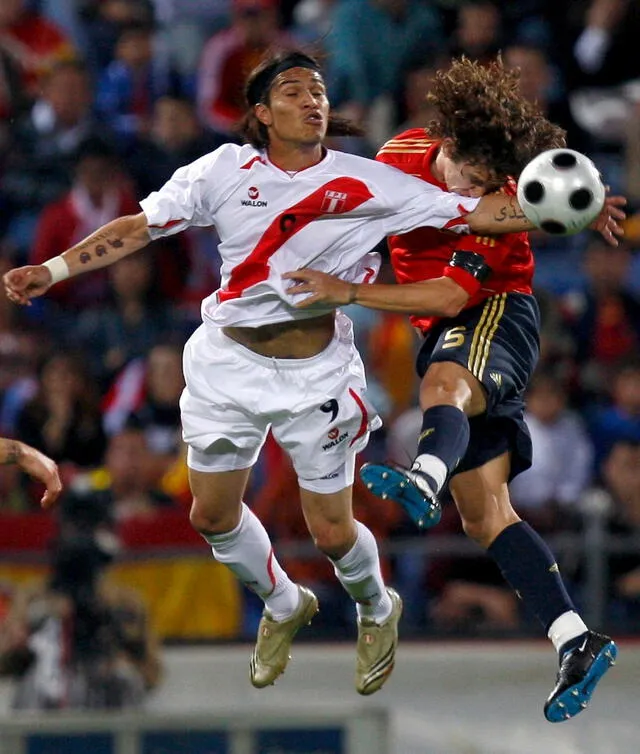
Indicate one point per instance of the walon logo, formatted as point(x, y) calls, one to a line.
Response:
point(253, 200)
point(335, 438)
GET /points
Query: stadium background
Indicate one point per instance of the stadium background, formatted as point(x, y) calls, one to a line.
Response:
point(100, 100)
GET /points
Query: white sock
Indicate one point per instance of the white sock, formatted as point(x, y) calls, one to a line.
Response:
point(359, 573)
point(435, 467)
point(568, 626)
point(248, 553)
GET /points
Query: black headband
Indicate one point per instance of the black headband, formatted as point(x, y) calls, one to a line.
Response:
point(258, 88)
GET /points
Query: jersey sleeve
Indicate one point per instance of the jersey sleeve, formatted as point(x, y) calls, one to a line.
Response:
point(188, 198)
point(413, 203)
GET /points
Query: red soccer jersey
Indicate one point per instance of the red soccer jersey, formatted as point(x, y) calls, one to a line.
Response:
point(424, 254)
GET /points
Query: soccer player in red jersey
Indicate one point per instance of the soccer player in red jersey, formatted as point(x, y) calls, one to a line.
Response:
point(471, 299)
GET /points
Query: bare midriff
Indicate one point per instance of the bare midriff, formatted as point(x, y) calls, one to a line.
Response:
point(300, 339)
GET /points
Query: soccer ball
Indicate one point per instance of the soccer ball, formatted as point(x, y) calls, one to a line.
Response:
point(561, 192)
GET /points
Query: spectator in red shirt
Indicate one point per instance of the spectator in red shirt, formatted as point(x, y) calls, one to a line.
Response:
point(98, 195)
point(228, 57)
point(32, 41)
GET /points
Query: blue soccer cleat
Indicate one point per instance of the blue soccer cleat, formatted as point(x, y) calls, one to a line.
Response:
point(408, 487)
point(580, 671)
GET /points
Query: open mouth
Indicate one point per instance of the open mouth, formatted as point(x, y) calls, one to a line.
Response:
point(314, 119)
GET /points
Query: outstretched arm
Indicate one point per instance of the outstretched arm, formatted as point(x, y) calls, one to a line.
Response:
point(107, 245)
point(498, 213)
point(440, 297)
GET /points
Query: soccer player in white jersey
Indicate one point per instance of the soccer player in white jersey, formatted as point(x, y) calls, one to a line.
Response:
point(283, 201)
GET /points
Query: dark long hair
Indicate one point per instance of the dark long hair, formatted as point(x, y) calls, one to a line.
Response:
point(490, 123)
point(258, 89)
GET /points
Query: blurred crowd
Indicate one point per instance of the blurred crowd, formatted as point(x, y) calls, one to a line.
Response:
point(101, 100)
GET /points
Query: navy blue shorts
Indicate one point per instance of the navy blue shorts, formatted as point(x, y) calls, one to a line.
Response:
point(498, 342)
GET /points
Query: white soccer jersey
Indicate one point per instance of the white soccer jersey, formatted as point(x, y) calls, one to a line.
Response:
point(327, 217)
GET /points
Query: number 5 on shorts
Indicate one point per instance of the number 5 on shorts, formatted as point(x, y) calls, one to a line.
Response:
point(454, 337)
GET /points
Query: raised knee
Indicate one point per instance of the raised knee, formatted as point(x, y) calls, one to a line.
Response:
point(212, 520)
point(485, 529)
point(334, 540)
point(477, 529)
point(201, 523)
point(445, 389)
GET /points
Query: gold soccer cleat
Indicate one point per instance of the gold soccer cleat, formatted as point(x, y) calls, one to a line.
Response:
point(377, 648)
point(273, 645)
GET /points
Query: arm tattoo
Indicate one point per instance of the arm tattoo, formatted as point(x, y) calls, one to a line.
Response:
point(13, 454)
point(99, 248)
point(512, 212)
point(91, 240)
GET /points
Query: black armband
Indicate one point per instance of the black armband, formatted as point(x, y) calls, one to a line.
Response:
point(472, 263)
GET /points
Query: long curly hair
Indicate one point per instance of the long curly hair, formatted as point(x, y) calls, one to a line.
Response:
point(481, 110)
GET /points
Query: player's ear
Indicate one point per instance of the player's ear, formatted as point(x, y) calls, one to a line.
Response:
point(447, 146)
point(263, 114)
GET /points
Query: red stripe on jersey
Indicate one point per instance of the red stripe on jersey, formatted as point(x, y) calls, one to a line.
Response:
point(364, 424)
point(247, 165)
point(336, 197)
point(168, 225)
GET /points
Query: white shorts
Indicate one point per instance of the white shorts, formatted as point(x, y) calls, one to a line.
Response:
point(315, 407)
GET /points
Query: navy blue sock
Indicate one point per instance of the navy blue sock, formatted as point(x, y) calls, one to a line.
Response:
point(444, 434)
point(529, 567)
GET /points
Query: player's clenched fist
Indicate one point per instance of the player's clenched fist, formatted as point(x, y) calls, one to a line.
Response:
point(24, 283)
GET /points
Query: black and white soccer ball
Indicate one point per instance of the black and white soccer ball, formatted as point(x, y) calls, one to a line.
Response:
point(561, 191)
